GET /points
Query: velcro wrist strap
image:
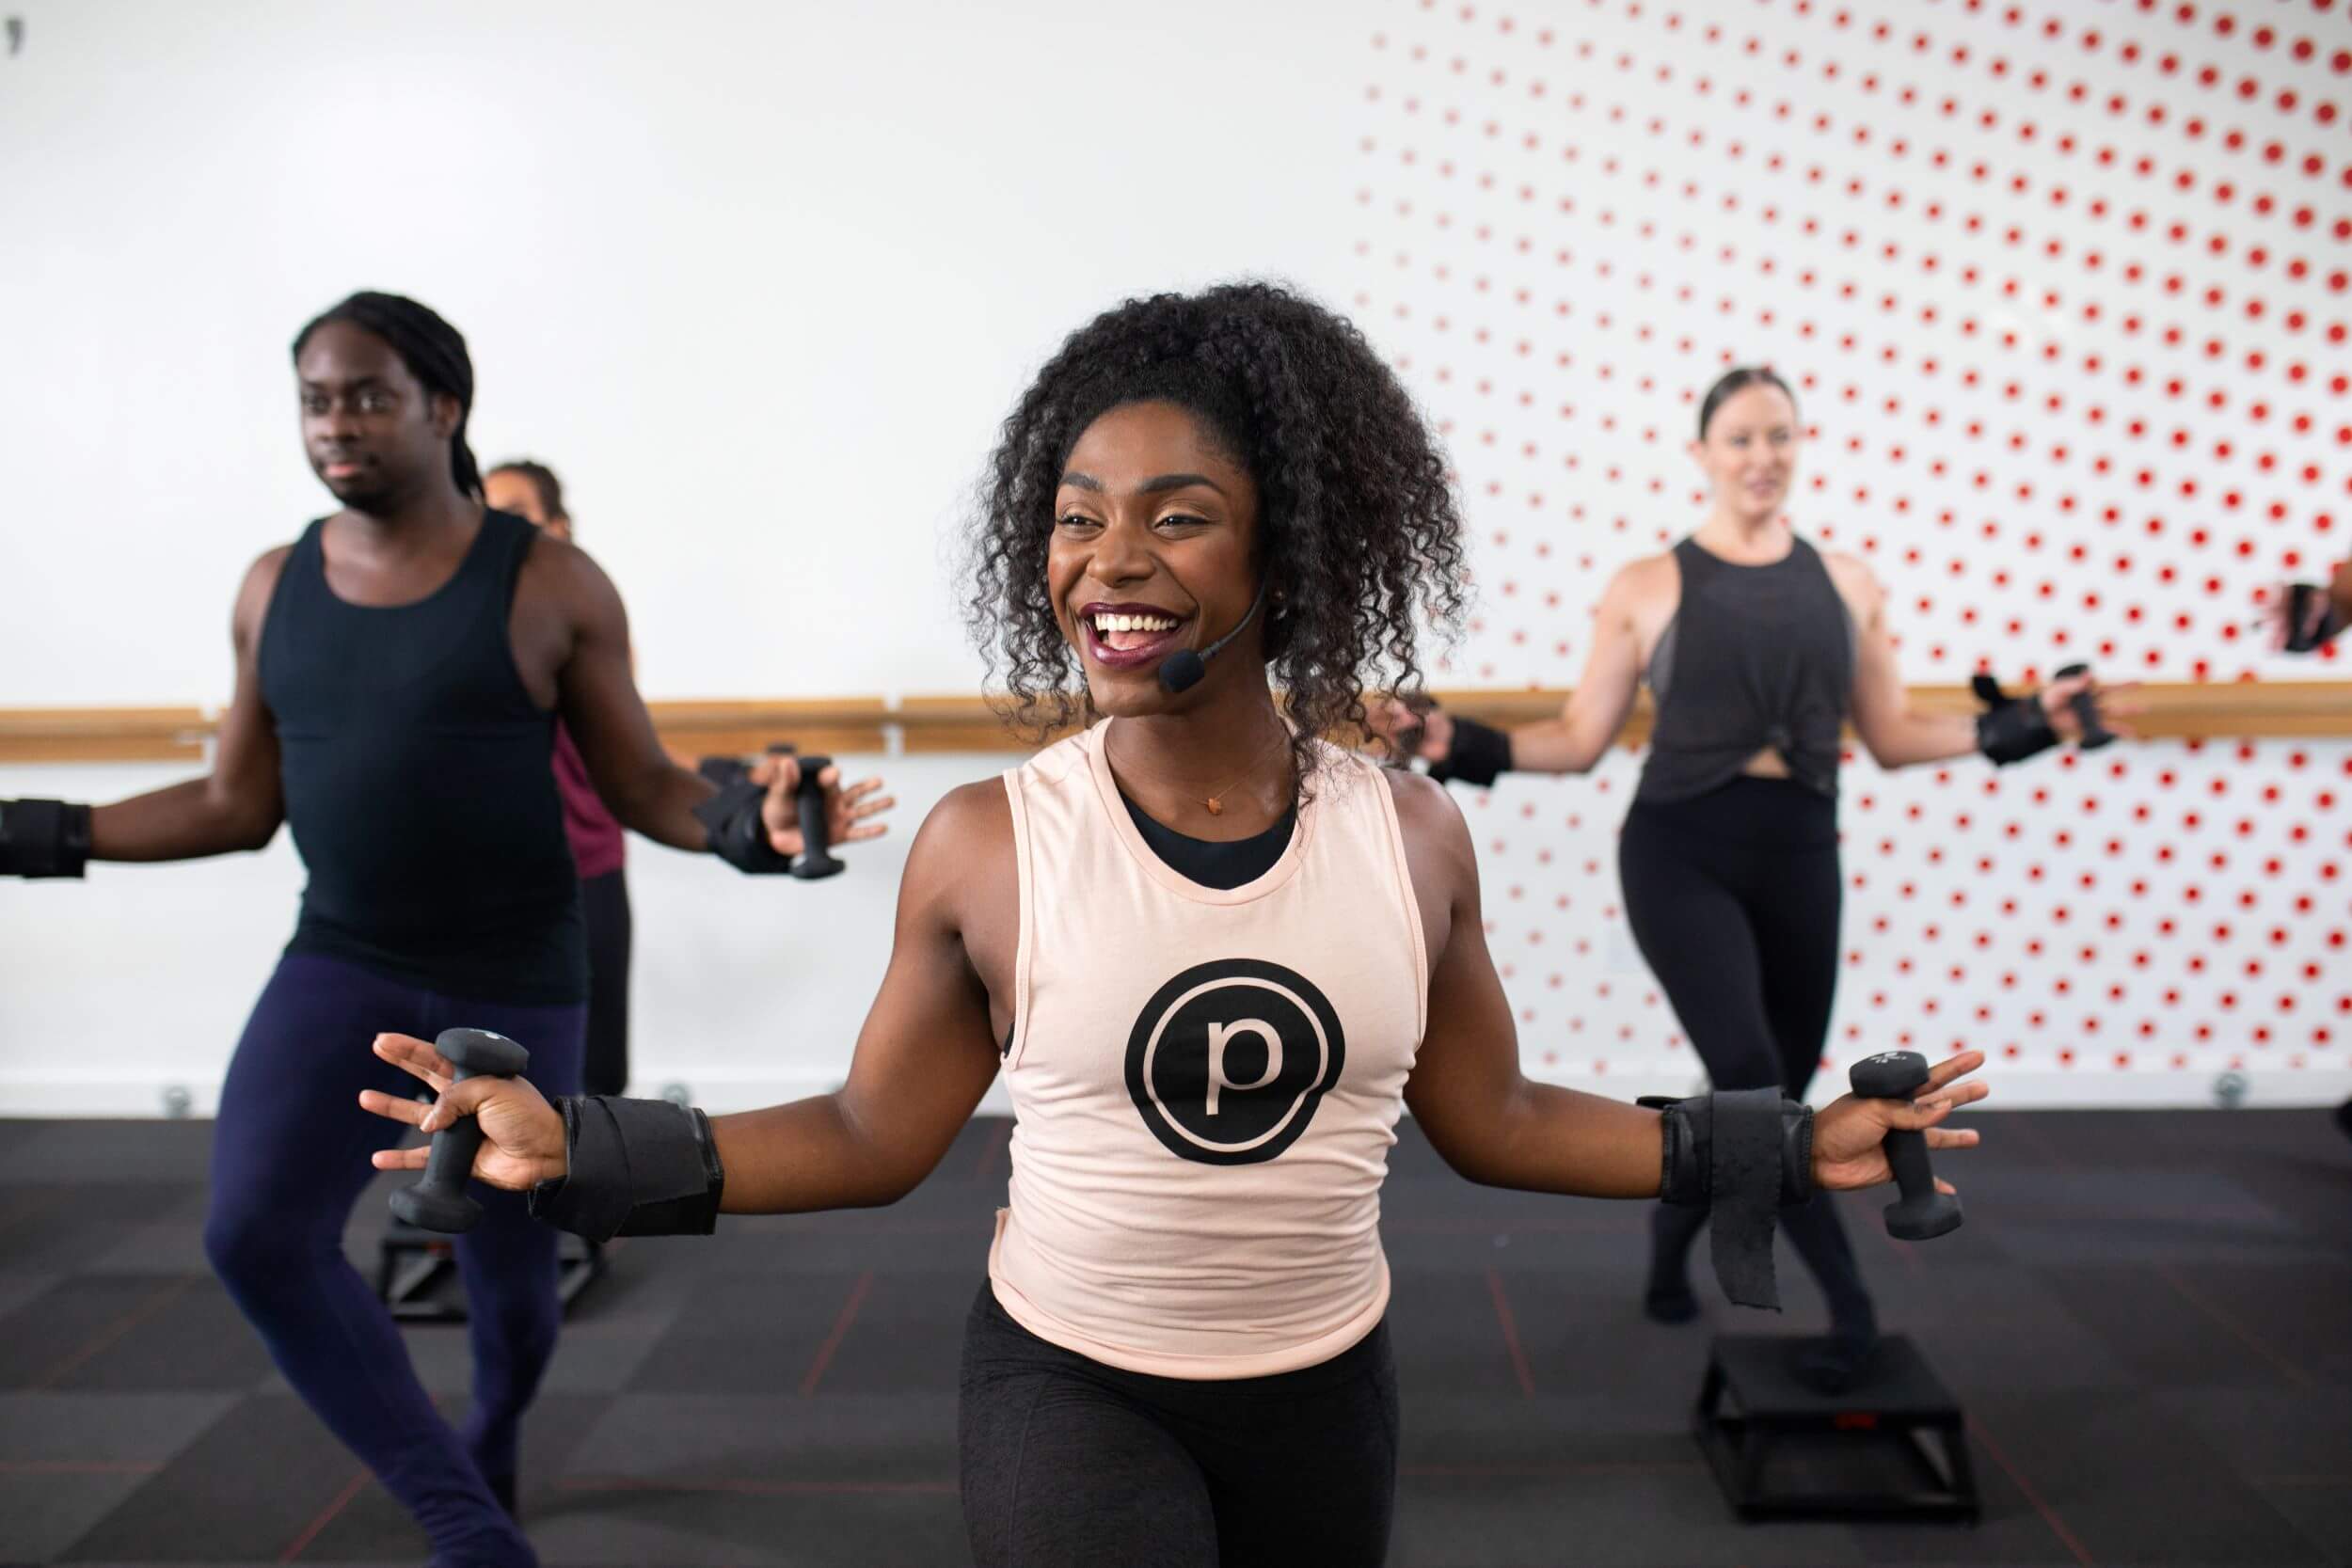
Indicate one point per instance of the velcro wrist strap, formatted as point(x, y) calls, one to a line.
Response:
point(637, 1167)
point(1744, 1154)
point(44, 838)
point(1478, 754)
point(738, 835)
point(2010, 729)
point(1745, 1187)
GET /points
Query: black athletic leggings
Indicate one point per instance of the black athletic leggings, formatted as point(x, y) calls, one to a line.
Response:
point(1733, 899)
point(1070, 1464)
point(604, 905)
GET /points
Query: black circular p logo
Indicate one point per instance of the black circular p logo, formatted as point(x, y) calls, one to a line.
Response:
point(1229, 1060)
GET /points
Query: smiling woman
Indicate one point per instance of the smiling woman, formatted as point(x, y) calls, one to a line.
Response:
point(1294, 422)
point(1214, 956)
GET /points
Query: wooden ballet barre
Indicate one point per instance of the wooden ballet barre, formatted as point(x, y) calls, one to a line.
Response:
point(867, 726)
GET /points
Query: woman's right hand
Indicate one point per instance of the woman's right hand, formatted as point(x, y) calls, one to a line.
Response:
point(522, 1136)
point(2288, 628)
point(1408, 731)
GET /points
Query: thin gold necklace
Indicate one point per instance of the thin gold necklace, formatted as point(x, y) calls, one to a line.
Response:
point(1215, 800)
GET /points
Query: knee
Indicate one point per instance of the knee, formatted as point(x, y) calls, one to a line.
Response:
point(249, 1245)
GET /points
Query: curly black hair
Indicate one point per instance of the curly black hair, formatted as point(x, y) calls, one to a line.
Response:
point(1357, 527)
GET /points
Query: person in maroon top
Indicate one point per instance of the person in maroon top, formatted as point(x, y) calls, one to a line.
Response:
point(530, 490)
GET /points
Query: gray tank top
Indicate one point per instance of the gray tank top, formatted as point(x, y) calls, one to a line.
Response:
point(1754, 656)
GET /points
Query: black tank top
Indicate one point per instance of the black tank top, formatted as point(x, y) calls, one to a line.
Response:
point(1225, 864)
point(1754, 656)
point(417, 782)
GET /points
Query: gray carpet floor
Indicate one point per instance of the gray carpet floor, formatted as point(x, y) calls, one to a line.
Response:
point(2148, 1319)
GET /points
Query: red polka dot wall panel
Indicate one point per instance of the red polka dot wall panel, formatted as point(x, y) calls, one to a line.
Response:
point(2061, 288)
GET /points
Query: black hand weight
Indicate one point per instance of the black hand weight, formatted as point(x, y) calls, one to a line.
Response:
point(814, 861)
point(439, 1202)
point(2095, 733)
point(1921, 1212)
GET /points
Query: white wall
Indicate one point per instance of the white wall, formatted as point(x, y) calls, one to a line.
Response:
point(761, 280)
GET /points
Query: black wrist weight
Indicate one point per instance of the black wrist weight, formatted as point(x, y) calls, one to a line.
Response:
point(635, 1168)
point(738, 836)
point(1478, 754)
point(2010, 729)
point(1744, 1154)
point(44, 838)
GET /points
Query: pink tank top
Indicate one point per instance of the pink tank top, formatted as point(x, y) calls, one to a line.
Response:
point(1206, 1084)
point(597, 841)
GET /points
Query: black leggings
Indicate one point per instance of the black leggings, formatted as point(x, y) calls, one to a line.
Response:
point(604, 905)
point(1070, 1464)
point(1733, 899)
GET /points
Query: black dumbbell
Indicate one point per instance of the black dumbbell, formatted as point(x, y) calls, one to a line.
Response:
point(439, 1202)
point(814, 861)
point(1921, 1212)
point(2095, 733)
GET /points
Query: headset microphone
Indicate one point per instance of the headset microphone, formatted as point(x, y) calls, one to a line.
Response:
point(1181, 671)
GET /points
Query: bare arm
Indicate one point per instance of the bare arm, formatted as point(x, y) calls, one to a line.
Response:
point(1596, 709)
point(597, 689)
point(1588, 722)
point(1489, 1121)
point(1893, 735)
point(239, 804)
point(1494, 1126)
point(925, 1058)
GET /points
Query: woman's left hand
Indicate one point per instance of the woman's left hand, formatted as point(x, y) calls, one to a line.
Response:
point(1849, 1133)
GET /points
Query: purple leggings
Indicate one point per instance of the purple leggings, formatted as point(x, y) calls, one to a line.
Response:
point(290, 1157)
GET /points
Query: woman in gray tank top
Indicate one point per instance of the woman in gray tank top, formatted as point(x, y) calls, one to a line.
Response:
point(1758, 650)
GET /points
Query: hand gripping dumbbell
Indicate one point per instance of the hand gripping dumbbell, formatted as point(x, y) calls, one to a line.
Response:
point(814, 861)
point(1921, 1212)
point(439, 1202)
point(2095, 733)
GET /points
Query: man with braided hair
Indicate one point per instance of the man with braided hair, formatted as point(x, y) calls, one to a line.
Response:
point(401, 669)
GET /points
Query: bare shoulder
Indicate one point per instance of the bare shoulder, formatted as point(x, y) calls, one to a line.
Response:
point(1643, 586)
point(254, 592)
point(966, 838)
point(1439, 859)
point(1845, 567)
point(962, 885)
point(1648, 575)
point(971, 817)
point(561, 567)
point(1854, 580)
point(1422, 804)
point(1433, 827)
point(267, 568)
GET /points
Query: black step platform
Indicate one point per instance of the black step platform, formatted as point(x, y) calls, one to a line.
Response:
point(415, 1273)
point(1895, 1446)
